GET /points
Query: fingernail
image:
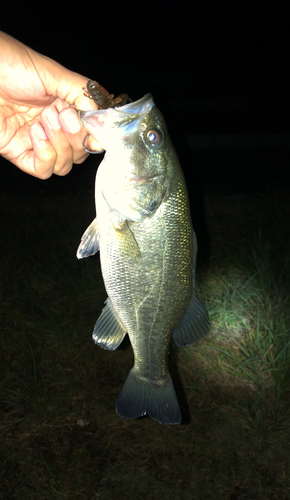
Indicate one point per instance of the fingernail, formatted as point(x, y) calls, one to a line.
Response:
point(71, 121)
point(51, 115)
point(39, 130)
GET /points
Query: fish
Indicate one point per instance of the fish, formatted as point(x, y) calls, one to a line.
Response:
point(148, 249)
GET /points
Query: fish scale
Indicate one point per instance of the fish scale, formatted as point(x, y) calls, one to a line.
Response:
point(147, 250)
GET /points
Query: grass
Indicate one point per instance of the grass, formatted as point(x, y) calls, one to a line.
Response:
point(60, 435)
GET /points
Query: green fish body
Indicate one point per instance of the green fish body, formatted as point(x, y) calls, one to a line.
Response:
point(148, 252)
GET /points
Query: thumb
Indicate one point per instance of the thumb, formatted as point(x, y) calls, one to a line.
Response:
point(63, 83)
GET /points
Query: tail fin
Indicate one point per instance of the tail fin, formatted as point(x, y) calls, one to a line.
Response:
point(139, 396)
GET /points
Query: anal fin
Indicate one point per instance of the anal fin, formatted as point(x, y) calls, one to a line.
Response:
point(194, 326)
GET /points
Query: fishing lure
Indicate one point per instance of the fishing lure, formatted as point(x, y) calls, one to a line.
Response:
point(95, 91)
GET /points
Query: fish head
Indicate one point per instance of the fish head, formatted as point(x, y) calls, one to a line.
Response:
point(138, 152)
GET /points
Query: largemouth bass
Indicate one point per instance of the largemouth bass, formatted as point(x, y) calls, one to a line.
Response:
point(147, 250)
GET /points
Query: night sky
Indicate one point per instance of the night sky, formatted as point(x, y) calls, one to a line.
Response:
point(214, 67)
point(154, 42)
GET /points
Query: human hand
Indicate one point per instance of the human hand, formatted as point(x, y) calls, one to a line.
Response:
point(39, 129)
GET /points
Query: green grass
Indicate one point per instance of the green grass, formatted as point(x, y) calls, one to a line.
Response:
point(60, 437)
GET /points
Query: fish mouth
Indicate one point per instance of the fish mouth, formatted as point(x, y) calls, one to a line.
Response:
point(117, 117)
point(142, 106)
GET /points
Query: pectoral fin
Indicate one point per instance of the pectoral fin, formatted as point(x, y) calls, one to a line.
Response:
point(128, 243)
point(194, 325)
point(109, 331)
point(90, 242)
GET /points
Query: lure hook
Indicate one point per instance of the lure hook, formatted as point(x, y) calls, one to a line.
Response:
point(90, 150)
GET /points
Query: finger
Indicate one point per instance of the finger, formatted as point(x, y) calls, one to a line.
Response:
point(75, 134)
point(40, 160)
point(64, 83)
point(59, 141)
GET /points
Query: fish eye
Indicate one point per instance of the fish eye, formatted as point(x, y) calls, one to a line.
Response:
point(154, 137)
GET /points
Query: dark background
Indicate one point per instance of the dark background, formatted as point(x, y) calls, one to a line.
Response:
point(218, 71)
